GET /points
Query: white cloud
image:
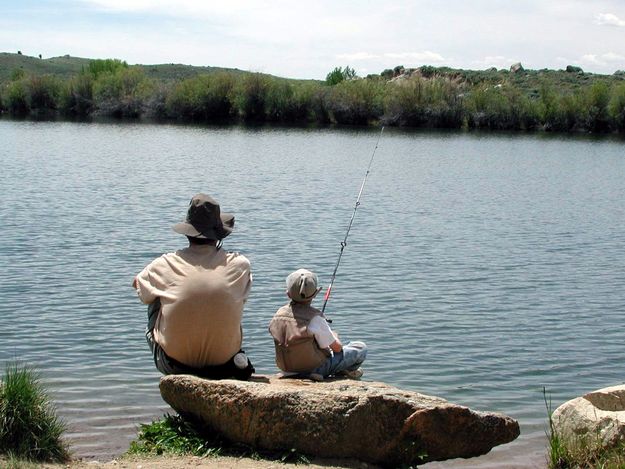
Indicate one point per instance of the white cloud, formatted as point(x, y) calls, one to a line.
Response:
point(425, 56)
point(590, 59)
point(612, 57)
point(497, 61)
point(307, 39)
point(357, 56)
point(609, 19)
point(192, 8)
point(602, 60)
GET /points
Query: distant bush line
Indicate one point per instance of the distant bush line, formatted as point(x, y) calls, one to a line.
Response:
point(425, 98)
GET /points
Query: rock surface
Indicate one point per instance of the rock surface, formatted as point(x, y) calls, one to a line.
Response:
point(596, 419)
point(369, 421)
point(516, 68)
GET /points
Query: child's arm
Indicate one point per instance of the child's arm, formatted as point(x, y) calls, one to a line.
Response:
point(336, 346)
point(325, 337)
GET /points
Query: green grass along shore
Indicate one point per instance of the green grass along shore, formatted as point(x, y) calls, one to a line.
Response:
point(427, 97)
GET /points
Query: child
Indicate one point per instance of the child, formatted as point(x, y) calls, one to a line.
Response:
point(304, 342)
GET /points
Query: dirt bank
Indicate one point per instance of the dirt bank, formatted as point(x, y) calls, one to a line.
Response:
point(221, 462)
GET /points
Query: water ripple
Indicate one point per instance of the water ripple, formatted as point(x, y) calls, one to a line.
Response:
point(477, 269)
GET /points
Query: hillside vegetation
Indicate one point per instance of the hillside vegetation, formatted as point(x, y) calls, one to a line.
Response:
point(433, 97)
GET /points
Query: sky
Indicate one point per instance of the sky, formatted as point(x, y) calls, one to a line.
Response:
point(307, 39)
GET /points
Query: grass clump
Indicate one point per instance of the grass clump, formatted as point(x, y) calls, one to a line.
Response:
point(29, 427)
point(582, 453)
point(175, 435)
point(205, 97)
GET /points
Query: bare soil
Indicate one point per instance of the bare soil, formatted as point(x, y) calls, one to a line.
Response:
point(221, 462)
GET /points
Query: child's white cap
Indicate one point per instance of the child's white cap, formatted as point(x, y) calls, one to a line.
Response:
point(301, 285)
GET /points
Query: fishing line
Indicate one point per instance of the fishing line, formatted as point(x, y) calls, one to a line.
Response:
point(349, 227)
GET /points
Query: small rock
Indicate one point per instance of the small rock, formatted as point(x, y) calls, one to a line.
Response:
point(596, 419)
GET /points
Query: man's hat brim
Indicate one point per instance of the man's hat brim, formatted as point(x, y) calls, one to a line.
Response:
point(219, 232)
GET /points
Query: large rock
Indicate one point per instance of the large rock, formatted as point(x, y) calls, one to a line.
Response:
point(517, 68)
point(347, 419)
point(595, 420)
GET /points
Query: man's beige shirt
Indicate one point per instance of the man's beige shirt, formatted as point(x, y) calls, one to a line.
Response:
point(202, 291)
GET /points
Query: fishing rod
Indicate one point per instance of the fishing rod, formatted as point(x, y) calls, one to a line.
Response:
point(349, 227)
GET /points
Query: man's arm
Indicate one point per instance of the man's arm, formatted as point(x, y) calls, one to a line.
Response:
point(150, 282)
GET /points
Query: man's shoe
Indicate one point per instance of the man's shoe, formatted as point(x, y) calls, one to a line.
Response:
point(352, 374)
point(315, 377)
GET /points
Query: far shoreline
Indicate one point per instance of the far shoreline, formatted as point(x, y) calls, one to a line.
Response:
point(268, 126)
point(427, 97)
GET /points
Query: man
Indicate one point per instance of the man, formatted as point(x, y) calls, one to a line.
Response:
point(196, 297)
point(304, 342)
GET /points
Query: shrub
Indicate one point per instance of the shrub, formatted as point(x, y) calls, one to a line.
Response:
point(303, 107)
point(387, 74)
point(356, 102)
point(156, 103)
point(419, 102)
point(204, 97)
point(318, 107)
point(488, 108)
point(524, 110)
point(279, 100)
point(17, 74)
point(575, 111)
point(16, 98)
point(100, 66)
point(339, 75)
point(77, 95)
point(551, 109)
point(574, 69)
point(251, 96)
point(427, 71)
point(598, 98)
point(289, 102)
point(502, 108)
point(616, 108)
point(29, 427)
point(43, 92)
point(122, 93)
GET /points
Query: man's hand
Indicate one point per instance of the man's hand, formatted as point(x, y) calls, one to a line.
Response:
point(134, 283)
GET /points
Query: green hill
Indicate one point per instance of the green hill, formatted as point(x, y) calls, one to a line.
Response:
point(64, 67)
point(67, 66)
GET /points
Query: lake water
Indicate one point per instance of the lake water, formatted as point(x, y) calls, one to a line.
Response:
point(480, 267)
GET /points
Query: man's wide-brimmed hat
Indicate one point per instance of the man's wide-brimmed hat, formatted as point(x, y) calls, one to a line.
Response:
point(205, 219)
point(301, 285)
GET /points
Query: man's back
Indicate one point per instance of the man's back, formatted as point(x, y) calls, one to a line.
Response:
point(202, 290)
